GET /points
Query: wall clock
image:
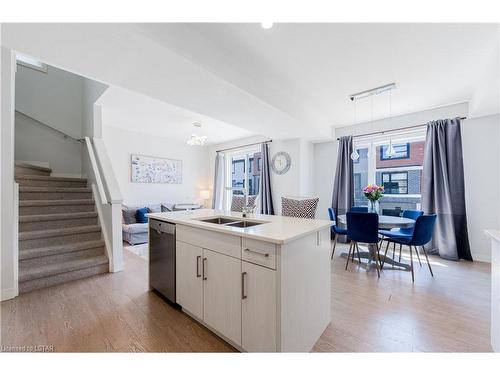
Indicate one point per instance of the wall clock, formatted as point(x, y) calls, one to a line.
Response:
point(281, 162)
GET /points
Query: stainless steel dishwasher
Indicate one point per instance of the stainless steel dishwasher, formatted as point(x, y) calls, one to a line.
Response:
point(162, 258)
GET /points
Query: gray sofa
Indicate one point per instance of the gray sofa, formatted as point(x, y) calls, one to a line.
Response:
point(136, 233)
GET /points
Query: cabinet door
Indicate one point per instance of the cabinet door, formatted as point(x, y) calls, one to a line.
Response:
point(222, 294)
point(258, 308)
point(189, 284)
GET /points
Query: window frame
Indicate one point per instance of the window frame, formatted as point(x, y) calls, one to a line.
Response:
point(390, 173)
point(385, 158)
point(245, 153)
point(372, 141)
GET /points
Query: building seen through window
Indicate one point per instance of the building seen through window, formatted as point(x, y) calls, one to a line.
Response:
point(399, 174)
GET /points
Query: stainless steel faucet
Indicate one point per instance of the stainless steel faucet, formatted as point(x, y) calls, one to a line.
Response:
point(246, 208)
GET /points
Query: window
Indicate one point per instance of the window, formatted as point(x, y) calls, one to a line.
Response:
point(401, 175)
point(244, 167)
point(30, 62)
point(402, 151)
point(395, 182)
point(360, 176)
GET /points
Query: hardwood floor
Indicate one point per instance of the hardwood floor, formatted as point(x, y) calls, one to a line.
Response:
point(116, 313)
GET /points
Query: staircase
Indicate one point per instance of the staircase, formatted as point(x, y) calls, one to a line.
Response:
point(59, 233)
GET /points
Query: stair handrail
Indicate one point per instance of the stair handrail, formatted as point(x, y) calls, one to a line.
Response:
point(60, 132)
point(95, 171)
point(106, 169)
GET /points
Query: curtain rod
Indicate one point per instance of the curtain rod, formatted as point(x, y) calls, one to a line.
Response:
point(394, 130)
point(242, 146)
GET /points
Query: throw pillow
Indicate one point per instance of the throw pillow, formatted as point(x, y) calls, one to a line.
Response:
point(140, 215)
point(128, 215)
point(154, 208)
point(167, 207)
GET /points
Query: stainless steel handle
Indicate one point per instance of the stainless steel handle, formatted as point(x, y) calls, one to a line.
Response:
point(204, 270)
point(243, 295)
point(256, 252)
point(198, 258)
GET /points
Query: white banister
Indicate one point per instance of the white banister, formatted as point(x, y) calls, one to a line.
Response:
point(108, 199)
point(95, 171)
point(110, 181)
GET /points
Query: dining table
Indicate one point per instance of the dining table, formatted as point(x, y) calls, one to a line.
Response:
point(384, 222)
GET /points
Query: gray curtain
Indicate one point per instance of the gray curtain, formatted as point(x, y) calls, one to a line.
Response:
point(266, 202)
point(218, 191)
point(443, 191)
point(343, 185)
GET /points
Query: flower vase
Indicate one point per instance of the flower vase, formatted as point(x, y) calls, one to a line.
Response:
point(373, 206)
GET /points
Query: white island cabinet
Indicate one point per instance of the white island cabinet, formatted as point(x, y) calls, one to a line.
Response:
point(262, 288)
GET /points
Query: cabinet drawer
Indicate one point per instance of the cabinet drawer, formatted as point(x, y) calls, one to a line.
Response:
point(207, 239)
point(259, 252)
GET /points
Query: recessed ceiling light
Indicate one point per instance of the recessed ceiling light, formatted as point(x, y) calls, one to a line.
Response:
point(267, 25)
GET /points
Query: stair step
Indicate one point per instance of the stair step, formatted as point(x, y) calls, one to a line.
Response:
point(40, 207)
point(59, 249)
point(44, 238)
point(49, 193)
point(30, 169)
point(50, 181)
point(61, 257)
point(54, 221)
point(52, 274)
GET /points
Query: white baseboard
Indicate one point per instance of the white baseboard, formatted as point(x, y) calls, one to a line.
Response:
point(6, 294)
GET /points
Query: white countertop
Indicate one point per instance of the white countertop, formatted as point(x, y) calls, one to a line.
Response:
point(276, 229)
point(493, 233)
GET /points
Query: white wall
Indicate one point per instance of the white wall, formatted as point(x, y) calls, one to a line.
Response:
point(121, 144)
point(8, 238)
point(34, 142)
point(481, 142)
point(54, 98)
point(62, 100)
point(91, 91)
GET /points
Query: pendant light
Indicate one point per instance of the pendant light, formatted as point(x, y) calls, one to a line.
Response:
point(390, 152)
point(371, 125)
point(354, 154)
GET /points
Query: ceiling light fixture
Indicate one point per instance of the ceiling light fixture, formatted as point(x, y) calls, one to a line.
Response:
point(390, 152)
point(355, 153)
point(197, 140)
point(267, 25)
point(371, 92)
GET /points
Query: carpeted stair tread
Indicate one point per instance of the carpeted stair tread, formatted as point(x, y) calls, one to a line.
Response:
point(59, 249)
point(53, 202)
point(53, 269)
point(50, 178)
point(30, 235)
point(49, 189)
point(50, 217)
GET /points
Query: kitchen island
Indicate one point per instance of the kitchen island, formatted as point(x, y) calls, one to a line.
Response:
point(262, 283)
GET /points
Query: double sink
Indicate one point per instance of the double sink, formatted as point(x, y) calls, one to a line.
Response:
point(237, 223)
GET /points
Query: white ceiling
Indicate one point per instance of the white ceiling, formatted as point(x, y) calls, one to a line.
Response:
point(135, 112)
point(309, 70)
point(293, 80)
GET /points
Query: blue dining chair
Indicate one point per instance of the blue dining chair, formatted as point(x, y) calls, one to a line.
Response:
point(422, 234)
point(362, 227)
point(359, 209)
point(388, 235)
point(336, 230)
